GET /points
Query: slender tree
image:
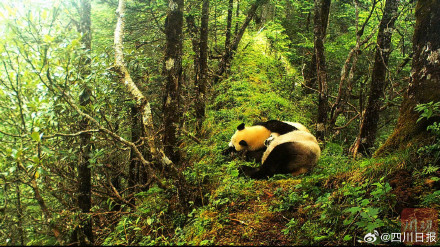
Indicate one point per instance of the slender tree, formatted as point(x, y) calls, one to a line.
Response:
point(424, 83)
point(237, 14)
point(229, 25)
point(322, 10)
point(173, 74)
point(367, 133)
point(203, 66)
point(85, 233)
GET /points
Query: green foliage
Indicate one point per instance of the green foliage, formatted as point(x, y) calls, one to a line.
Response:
point(42, 60)
point(145, 224)
point(428, 111)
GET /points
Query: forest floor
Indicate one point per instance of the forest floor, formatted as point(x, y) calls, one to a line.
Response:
point(252, 223)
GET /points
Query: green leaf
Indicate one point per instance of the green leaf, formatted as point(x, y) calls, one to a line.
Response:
point(354, 210)
point(36, 160)
point(234, 173)
point(347, 238)
point(12, 169)
point(365, 202)
point(149, 221)
point(35, 136)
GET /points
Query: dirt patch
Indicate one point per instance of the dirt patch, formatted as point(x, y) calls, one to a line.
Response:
point(252, 222)
point(254, 226)
point(402, 183)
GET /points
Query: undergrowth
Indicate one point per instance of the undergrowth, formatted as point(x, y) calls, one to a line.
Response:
point(338, 202)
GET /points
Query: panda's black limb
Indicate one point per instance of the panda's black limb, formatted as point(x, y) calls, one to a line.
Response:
point(284, 158)
point(253, 172)
point(277, 126)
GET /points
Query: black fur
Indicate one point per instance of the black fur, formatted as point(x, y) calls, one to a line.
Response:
point(277, 126)
point(284, 158)
point(255, 156)
point(228, 151)
point(243, 143)
point(241, 126)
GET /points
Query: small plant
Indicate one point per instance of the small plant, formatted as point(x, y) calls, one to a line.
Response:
point(368, 207)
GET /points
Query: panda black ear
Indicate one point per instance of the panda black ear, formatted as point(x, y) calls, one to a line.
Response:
point(243, 143)
point(240, 127)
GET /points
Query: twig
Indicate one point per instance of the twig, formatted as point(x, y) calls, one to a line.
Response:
point(70, 134)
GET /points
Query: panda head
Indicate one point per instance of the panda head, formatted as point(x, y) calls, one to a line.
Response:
point(249, 138)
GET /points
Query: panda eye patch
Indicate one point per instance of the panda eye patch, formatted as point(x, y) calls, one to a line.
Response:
point(243, 143)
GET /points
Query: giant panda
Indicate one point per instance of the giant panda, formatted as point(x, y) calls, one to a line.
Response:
point(294, 152)
point(251, 139)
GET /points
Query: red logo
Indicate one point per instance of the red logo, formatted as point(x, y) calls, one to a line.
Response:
point(419, 226)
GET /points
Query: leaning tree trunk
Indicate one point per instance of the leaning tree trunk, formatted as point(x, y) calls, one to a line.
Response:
point(424, 84)
point(367, 133)
point(85, 234)
point(173, 74)
point(229, 53)
point(322, 10)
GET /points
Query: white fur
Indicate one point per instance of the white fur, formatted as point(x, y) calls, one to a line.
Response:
point(302, 137)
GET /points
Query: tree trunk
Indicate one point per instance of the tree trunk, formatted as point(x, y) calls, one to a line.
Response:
point(310, 75)
point(85, 233)
point(237, 14)
point(424, 83)
point(229, 54)
point(322, 10)
point(19, 213)
point(229, 25)
point(203, 67)
point(367, 133)
point(134, 166)
point(173, 74)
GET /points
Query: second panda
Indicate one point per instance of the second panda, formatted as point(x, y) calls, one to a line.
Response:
point(295, 152)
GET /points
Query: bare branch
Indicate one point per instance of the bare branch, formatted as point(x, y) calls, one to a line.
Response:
point(71, 134)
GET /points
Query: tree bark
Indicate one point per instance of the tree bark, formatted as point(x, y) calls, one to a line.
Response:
point(203, 67)
point(424, 83)
point(368, 129)
point(85, 233)
point(322, 10)
point(310, 75)
point(134, 166)
point(173, 73)
point(237, 14)
point(19, 213)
